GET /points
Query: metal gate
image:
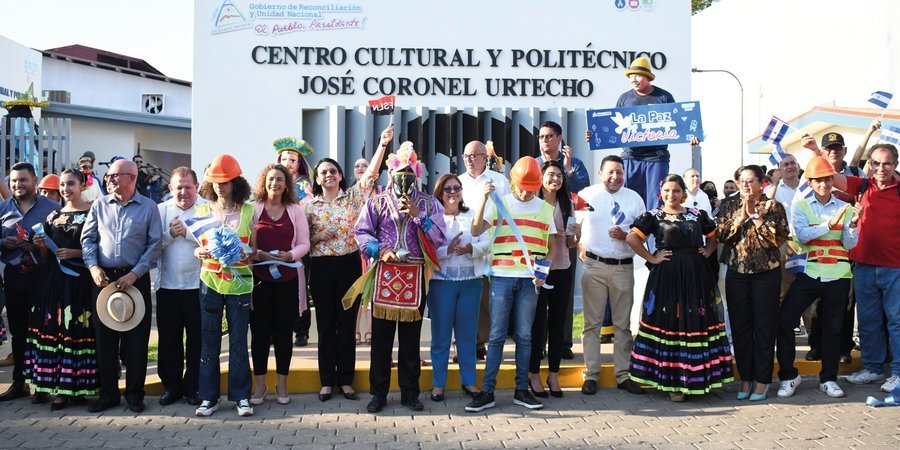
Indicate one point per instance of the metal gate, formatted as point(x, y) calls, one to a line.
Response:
point(45, 143)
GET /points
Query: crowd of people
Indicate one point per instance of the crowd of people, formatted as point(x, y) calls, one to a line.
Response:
point(479, 252)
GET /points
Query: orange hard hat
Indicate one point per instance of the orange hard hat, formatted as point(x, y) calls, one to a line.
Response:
point(526, 174)
point(819, 167)
point(223, 169)
point(50, 182)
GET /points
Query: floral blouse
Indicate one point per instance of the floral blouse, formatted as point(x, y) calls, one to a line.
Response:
point(338, 216)
point(750, 249)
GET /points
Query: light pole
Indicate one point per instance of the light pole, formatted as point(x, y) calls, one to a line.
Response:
point(741, 85)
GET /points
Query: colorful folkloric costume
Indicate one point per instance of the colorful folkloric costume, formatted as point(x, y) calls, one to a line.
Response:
point(302, 186)
point(61, 357)
point(681, 345)
point(397, 289)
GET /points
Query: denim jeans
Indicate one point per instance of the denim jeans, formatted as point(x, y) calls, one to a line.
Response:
point(454, 308)
point(877, 309)
point(237, 312)
point(508, 295)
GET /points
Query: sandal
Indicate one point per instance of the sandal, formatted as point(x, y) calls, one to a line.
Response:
point(358, 338)
point(368, 337)
point(258, 398)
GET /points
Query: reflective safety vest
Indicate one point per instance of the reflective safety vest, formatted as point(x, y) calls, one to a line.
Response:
point(508, 259)
point(232, 280)
point(826, 256)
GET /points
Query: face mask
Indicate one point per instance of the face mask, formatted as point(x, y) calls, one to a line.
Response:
point(403, 183)
point(711, 193)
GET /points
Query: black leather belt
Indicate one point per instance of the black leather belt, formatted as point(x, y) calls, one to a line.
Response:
point(610, 261)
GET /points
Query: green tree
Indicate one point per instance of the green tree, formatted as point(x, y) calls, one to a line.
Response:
point(700, 5)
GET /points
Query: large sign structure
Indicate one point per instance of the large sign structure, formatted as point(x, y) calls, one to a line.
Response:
point(495, 70)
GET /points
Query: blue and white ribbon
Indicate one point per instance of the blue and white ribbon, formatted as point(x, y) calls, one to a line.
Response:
point(504, 215)
point(273, 265)
point(38, 229)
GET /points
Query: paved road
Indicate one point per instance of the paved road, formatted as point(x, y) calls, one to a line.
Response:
point(612, 418)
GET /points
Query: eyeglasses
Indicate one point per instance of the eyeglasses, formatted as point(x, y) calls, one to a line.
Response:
point(747, 181)
point(324, 172)
point(472, 156)
point(554, 175)
point(115, 176)
point(452, 189)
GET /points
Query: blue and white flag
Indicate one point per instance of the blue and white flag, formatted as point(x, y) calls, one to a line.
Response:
point(199, 225)
point(617, 215)
point(891, 135)
point(796, 264)
point(775, 131)
point(881, 99)
point(805, 190)
point(778, 155)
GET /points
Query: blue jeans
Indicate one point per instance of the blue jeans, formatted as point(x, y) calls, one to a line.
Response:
point(453, 307)
point(510, 295)
point(237, 312)
point(878, 308)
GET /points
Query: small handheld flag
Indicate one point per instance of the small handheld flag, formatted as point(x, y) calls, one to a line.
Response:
point(881, 99)
point(805, 190)
point(778, 155)
point(775, 131)
point(383, 106)
point(580, 204)
point(891, 135)
point(199, 225)
point(617, 215)
point(796, 264)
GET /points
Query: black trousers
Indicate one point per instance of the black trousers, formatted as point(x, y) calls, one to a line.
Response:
point(408, 359)
point(331, 276)
point(833, 301)
point(136, 341)
point(570, 303)
point(178, 317)
point(845, 342)
point(21, 292)
point(753, 309)
point(550, 320)
point(271, 322)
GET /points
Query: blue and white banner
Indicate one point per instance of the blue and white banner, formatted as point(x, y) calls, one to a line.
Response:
point(805, 190)
point(639, 126)
point(796, 264)
point(891, 135)
point(881, 99)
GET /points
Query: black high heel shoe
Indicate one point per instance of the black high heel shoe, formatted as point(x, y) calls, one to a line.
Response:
point(555, 394)
point(537, 394)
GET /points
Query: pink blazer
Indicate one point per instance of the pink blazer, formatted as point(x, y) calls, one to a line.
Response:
point(299, 245)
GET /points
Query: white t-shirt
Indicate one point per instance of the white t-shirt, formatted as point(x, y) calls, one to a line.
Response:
point(473, 189)
point(699, 201)
point(597, 223)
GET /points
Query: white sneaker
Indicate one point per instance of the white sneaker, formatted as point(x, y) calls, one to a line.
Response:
point(243, 408)
point(788, 387)
point(864, 377)
point(891, 383)
point(831, 389)
point(207, 407)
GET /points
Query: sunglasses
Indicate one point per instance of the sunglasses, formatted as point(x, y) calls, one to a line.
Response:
point(452, 189)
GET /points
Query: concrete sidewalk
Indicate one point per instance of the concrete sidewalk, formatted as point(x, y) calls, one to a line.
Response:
point(611, 419)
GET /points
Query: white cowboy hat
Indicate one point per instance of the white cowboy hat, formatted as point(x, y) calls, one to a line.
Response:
point(120, 310)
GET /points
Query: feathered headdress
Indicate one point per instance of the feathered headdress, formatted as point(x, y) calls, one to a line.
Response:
point(405, 157)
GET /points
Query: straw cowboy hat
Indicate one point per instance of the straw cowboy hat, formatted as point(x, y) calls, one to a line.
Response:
point(120, 310)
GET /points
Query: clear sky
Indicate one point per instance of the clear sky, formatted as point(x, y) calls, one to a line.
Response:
point(158, 31)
